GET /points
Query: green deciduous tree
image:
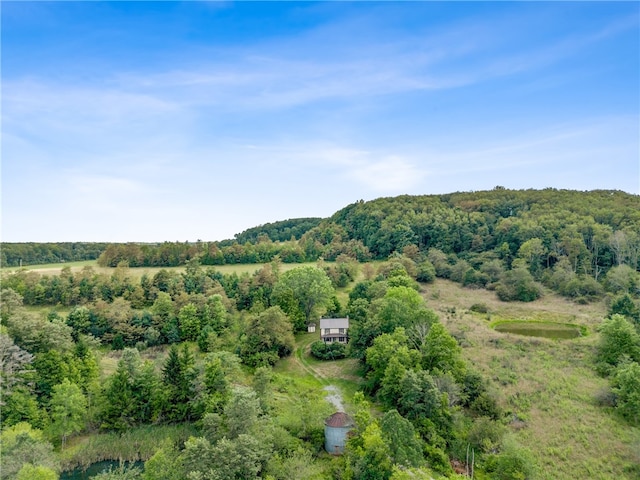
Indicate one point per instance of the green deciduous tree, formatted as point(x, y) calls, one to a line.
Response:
point(626, 387)
point(623, 279)
point(30, 472)
point(165, 464)
point(385, 348)
point(618, 340)
point(404, 444)
point(518, 284)
point(371, 460)
point(268, 336)
point(22, 444)
point(306, 290)
point(422, 402)
point(441, 352)
point(228, 459)
point(189, 322)
point(532, 252)
point(216, 313)
point(68, 410)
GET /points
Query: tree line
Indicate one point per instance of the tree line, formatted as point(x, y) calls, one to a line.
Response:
point(17, 254)
point(579, 244)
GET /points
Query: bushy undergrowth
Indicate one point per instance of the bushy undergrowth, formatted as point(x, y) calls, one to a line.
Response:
point(328, 351)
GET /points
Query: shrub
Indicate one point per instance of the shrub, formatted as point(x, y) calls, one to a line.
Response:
point(328, 351)
point(514, 462)
point(479, 308)
point(518, 284)
point(619, 340)
point(582, 287)
point(605, 397)
point(426, 272)
point(626, 387)
point(486, 434)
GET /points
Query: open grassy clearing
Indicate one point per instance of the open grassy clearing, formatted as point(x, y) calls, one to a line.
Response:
point(47, 309)
point(342, 374)
point(53, 267)
point(156, 355)
point(56, 268)
point(547, 385)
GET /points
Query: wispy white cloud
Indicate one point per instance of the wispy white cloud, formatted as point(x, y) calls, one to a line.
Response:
point(379, 173)
point(390, 174)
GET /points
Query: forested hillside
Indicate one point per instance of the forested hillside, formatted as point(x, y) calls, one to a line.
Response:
point(580, 225)
point(579, 244)
point(278, 231)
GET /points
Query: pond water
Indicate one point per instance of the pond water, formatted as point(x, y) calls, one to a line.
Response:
point(96, 468)
point(538, 329)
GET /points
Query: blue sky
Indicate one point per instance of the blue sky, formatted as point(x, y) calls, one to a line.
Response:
point(159, 121)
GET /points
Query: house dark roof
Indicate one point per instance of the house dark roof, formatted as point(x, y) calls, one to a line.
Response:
point(339, 420)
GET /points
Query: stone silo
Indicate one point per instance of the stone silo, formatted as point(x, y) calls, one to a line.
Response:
point(336, 428)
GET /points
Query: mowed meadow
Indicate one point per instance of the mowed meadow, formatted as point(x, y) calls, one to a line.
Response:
point(548, 387)
point(56, 268)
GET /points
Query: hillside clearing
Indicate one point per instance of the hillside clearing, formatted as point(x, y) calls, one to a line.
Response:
point(546, 385)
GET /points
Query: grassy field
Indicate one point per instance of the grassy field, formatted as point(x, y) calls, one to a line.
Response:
point(342, 374)
point(548, 386)
point(56, 268)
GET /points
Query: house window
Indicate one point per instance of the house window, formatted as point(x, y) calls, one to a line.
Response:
point(341, 330)
point(341, 339)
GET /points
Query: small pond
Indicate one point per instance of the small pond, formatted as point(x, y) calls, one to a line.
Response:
point(96, 468)
point(557, 331)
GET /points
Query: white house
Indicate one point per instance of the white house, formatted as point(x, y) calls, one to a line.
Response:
point(334, 330)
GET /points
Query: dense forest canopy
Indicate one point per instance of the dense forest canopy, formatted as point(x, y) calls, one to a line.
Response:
point(468, 222)
point(278, 231)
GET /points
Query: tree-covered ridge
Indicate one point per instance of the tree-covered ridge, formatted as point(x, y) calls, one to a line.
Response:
point(12, 254)
point(579, 244)
point(468, 222)
point(278, 231)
